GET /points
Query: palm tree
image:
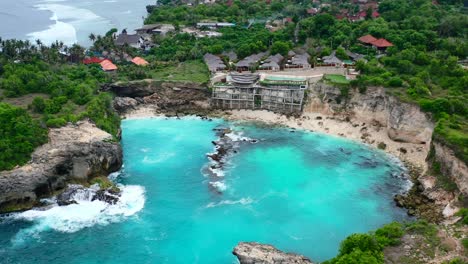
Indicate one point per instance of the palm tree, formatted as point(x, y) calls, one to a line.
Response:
point(92, 37)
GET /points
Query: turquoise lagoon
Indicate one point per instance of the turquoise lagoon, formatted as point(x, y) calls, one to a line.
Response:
point(303, 192)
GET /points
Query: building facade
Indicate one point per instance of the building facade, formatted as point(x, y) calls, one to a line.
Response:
point(249, 91)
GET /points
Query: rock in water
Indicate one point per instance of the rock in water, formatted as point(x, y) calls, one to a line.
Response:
point(255, 253)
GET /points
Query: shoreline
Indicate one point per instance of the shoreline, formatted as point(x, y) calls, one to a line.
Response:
point(356, 130)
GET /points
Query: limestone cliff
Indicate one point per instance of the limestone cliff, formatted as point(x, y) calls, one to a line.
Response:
point(404, 122)
point(256, 253)
point(74, 153)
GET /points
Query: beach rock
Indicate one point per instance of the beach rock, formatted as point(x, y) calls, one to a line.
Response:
point(256, 253)
point(74, 153)
point(122, 104)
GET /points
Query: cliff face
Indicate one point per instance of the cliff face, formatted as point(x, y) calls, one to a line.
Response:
point(404, 122)
point(164, 96)
point(255, 253)
point(452, 166)
point(74, 153)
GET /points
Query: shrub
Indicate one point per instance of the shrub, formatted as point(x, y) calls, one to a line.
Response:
point(395, 82)
point(56, 122)
point(382, 145)
point(19, 136)
point(38, 104)
point(389, 235)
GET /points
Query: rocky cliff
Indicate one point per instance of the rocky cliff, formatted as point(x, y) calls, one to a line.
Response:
point(165, 96)
point(404, 122)
point(256, 253)
point(75, 153)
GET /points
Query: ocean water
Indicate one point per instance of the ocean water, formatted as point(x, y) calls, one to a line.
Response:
point(303, 192)
point(70, 21)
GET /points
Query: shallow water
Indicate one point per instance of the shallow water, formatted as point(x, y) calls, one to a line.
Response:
point(70, 21)
point(303, 192)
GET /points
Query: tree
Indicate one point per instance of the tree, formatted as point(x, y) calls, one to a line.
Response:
point(280, 47)
point(92, 37)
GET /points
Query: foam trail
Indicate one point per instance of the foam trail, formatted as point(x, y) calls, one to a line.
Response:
point(242, 201)
point(219, 185)
point(86, 213)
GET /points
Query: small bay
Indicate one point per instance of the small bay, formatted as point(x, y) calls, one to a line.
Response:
point(303, 192)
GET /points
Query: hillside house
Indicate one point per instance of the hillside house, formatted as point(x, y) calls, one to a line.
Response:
point(214, 63)
point(108, 66)
point(380, 44)
point(132, 40)
point(298, 62)
point(272, 63)
point(139, 61)
point(155, 29)
point(250, 62)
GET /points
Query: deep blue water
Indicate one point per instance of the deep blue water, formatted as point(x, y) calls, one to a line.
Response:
point(303, 192)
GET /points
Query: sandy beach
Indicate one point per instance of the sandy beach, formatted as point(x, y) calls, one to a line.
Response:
point(357, 130)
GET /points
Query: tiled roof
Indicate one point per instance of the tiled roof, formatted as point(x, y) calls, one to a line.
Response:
point(368, 39)
point(107, 65)
point(140, 61)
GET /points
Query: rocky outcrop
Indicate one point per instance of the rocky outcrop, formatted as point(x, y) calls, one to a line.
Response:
point(405, 122)
point(255, 253)
point(74, 153)
point(452, 166)
point(122, 104)
point(165, 96)
point(148, 87)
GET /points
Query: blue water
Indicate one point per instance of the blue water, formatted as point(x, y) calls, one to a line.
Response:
point(303, 192)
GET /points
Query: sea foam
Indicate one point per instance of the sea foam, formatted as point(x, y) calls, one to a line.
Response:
point(85, 213)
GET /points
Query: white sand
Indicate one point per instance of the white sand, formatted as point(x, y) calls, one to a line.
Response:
point(354, 130)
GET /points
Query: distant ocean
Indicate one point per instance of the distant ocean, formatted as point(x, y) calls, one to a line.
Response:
point(70, 21)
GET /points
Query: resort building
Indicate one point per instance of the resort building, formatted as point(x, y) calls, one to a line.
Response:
point(298, 62)
point(139, 61)
point(214, 63)
point(272, 63)
point(107, 65)
point(250, 62)
point(132, 40)
point(251, 91)
point(380, 44)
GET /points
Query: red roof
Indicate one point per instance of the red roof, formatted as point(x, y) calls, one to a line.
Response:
point(375, 14)
point(107, 65)
point(92, 60)
point(382, 43)
point(288, 19)
point(140, 61)
point(368, 39)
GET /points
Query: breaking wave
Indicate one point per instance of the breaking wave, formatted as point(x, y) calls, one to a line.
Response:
point(84, 214)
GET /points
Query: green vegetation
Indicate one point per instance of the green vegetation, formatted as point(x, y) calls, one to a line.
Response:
point(464, 214)
point(193, 71)
point(336, 79)
point(43, 89)
point(19, 136)
point(368, 248)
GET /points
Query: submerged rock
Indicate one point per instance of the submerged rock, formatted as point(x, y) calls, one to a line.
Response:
point(256, 253)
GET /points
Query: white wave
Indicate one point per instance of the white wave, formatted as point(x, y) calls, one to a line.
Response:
point(243, 201)
point(219, 185)
point(217, 172)
point(85, 213)
point(67, 20)
point(237, 136)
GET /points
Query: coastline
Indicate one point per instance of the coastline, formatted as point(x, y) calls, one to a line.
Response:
point(355, 129)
